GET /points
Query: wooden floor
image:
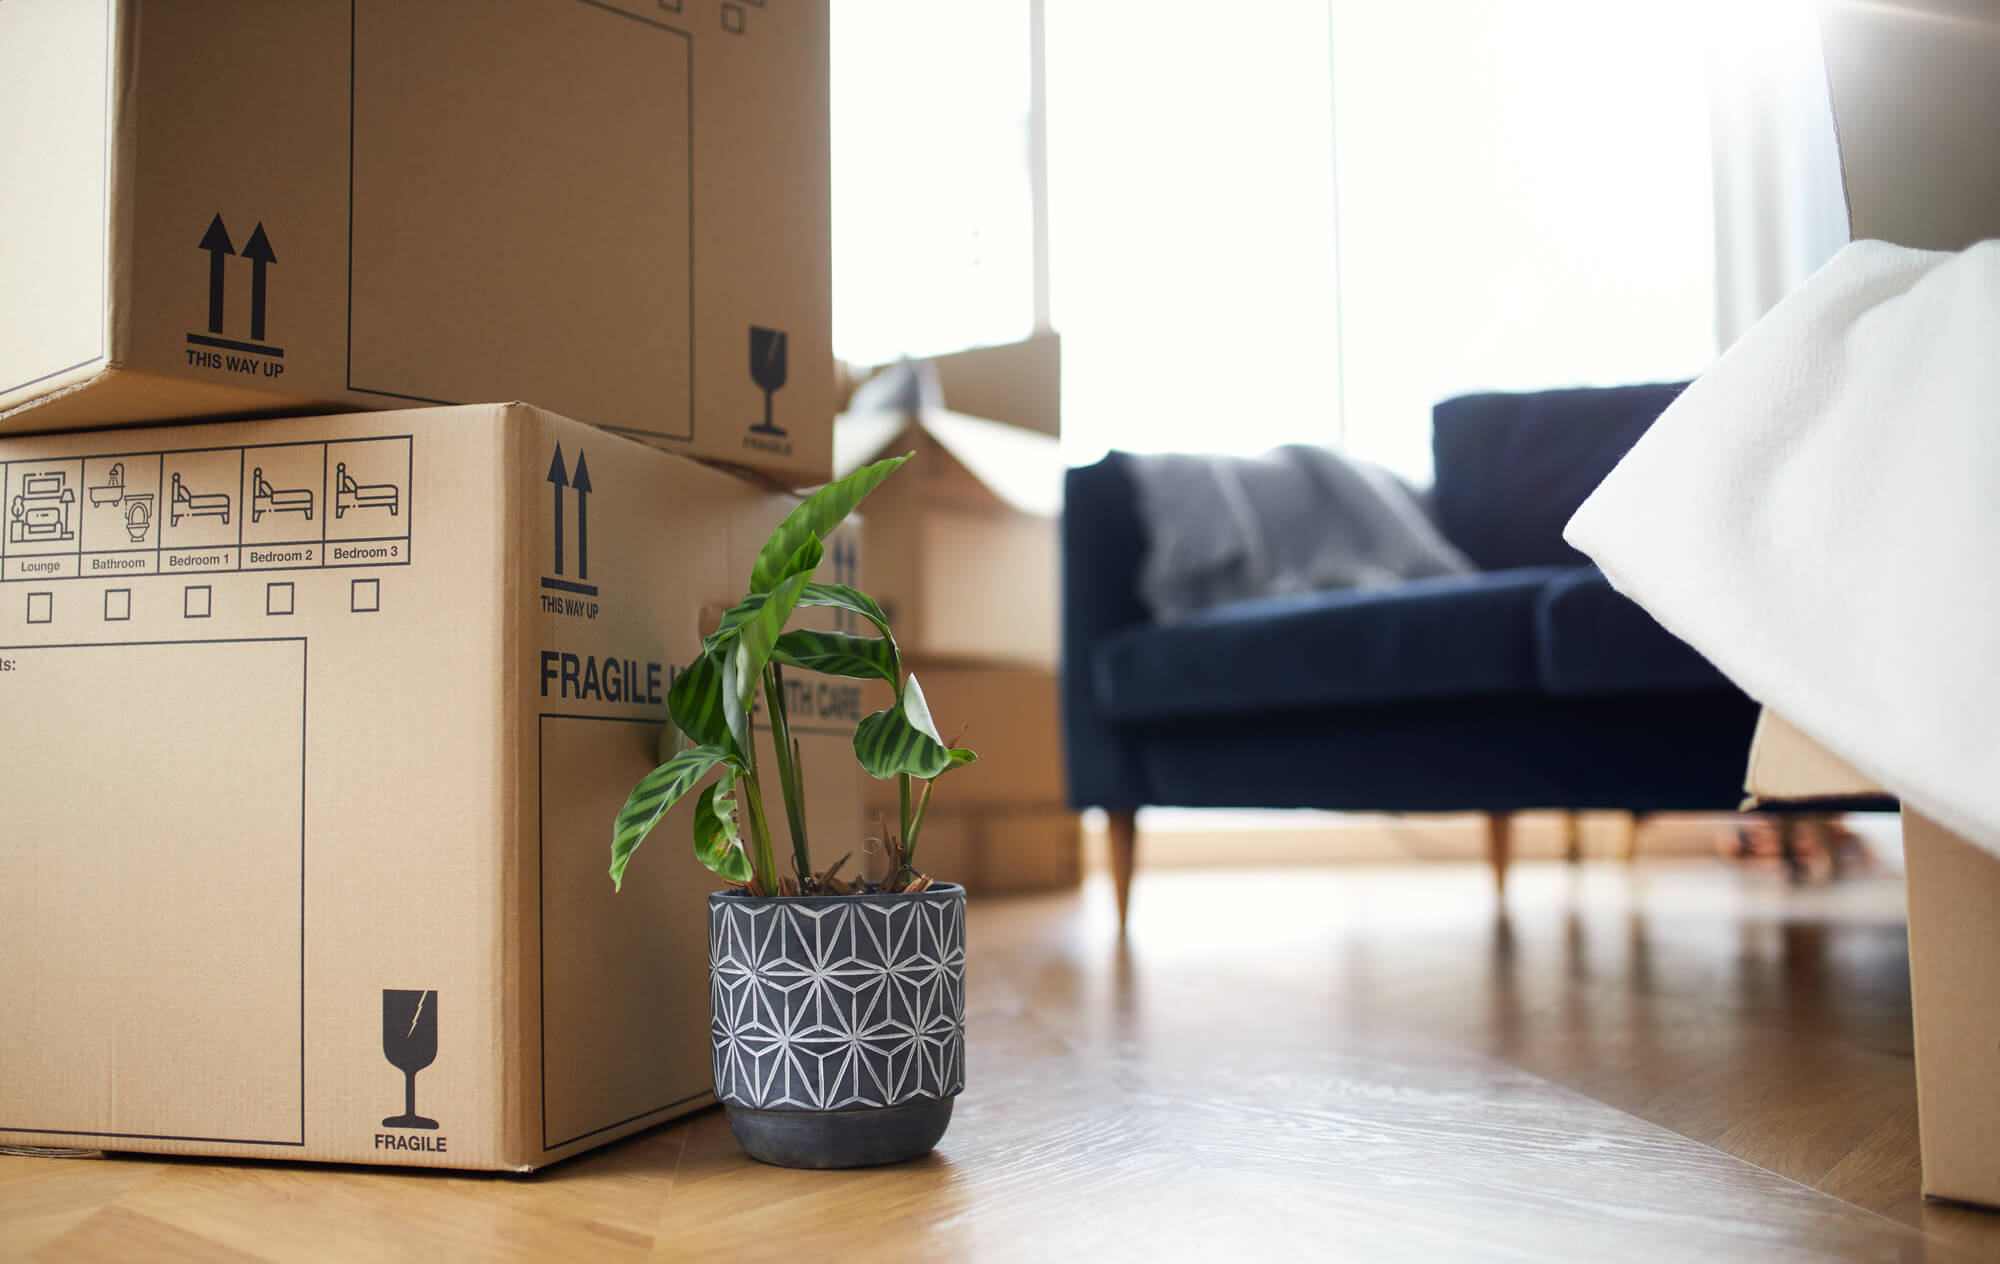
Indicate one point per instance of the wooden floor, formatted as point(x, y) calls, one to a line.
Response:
point(1680, 1062)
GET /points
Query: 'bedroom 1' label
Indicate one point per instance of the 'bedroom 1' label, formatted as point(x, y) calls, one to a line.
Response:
point(198, 560)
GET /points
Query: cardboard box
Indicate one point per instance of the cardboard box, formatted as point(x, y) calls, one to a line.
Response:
point(1954, 893)
point(1915, 85)
point(1001, 824)
point(314, 733)
point(962, 542)
point(1003, 850)
point(616, 208)
point(1019, 383)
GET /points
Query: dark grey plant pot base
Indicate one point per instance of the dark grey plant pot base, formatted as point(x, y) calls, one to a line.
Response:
point(841, 1138)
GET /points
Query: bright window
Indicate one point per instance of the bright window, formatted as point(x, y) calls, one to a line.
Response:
point(932, 218)
point(1298, 220)
point(1525, 202)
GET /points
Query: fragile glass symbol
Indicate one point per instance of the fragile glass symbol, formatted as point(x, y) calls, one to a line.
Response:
point(410, 1042)
point(768, 366)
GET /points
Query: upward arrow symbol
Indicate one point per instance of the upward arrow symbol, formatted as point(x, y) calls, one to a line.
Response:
point(559, 479)
point(258, 251)
point(582, 485)
point(216, 242)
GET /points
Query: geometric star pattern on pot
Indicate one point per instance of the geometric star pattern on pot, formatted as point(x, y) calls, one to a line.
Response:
point(837, 1004)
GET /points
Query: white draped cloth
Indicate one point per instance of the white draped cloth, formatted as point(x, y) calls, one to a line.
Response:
point(1819, 515)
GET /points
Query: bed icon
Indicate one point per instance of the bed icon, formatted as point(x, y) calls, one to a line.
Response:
point(266, 499)
point(349, 494)
point(188, 505)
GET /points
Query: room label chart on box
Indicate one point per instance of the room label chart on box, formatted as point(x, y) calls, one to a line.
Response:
point(270, 507)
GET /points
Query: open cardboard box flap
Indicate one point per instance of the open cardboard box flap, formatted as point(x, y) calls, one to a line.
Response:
point(1786, 766)
point(1954, 892)
point(1007, 466)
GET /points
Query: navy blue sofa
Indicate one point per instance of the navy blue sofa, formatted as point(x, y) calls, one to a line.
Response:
point(1529, 685)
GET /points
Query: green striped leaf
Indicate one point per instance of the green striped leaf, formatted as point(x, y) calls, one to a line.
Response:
point(653, 797)
point(904, 739)
point(695, 702)
point(735, 714)
point(815, 518)
point(841, 597)
point(733, 618)
point(758, 634)
point(837, 654)
point(807, 559)
point(717, 843)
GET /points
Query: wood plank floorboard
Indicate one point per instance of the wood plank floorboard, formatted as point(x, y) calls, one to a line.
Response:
point(1677, 1061)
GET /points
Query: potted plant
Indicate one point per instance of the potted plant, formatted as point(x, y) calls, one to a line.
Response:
point(837, 1006)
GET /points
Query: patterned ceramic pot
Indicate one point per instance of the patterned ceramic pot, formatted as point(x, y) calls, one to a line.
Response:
point(838, 1023)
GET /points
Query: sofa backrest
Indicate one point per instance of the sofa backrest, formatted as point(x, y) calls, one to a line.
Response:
point(1511, 469)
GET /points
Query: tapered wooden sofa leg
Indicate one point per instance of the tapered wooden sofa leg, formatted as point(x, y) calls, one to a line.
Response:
point(1124, 848)
point(1499, 846)
point(1628, 849)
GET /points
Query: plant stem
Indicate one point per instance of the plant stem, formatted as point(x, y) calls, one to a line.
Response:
point(788, 770)
point(903, 785)
point(910, 838)
point(751, 795)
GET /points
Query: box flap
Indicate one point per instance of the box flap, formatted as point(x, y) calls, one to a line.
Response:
point(57, 64)
point(1917, 165)
point(1785, 765)
point(859, 438)
point(1019, 383)
point(1023, 469)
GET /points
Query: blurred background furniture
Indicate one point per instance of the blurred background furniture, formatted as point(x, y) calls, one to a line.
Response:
point(1531, 684)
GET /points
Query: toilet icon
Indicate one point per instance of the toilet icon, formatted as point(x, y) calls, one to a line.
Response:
point(138, 517)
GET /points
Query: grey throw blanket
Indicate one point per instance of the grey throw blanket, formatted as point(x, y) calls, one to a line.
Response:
point(1297, 519)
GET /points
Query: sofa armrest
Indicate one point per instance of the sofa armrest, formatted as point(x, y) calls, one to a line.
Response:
point(1103, 547)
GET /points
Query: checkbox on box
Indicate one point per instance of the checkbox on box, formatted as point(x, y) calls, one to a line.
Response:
point(196, 602)
point(278, 598)
point(366, 596)
point(41, 607)
point(117, 605)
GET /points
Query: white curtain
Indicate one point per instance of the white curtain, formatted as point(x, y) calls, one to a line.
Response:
point(1311, 219)
point(1524, 203)
point(1779, 208)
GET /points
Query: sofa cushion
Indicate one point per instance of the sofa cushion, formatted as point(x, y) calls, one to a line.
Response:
point(1452, 636)
point(1591, 639)
point(1511, 469)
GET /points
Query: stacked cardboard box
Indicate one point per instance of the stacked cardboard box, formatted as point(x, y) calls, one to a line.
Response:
point(315, 723)
point(962, 551)
point(617, 209)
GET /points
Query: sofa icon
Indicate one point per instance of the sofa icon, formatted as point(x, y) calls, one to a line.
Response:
point(43, 509)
